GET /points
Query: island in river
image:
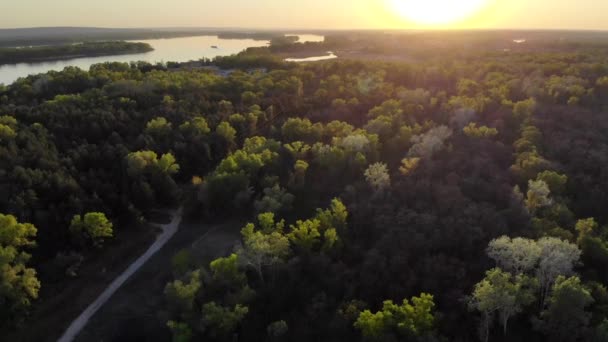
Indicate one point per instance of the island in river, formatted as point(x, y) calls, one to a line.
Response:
point(69, 51)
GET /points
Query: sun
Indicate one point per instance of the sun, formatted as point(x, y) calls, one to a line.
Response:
point(437, 12)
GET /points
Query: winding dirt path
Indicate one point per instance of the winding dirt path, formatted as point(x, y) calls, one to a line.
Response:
point(168, 230)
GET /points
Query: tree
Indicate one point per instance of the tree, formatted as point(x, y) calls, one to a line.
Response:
point(94, 226)
point(377, 176)
point(433, 141)
point(565, 318)
point(181, 331)
point(261, 250)
point(555, 181)
point(226, 271)
point(298, 149)
point(585, 227)
point(409, 165)
point(333, 217)
point(18, 283)
point(159, 127)
point(197, 127)
point(276, 330)
point(557, 258)
point(141, 162)
point(167, 164)
point(227, 133)
point(405, 320)
point(305, 234)
point(501, 293)
point(297, 129)
point(221, 321)
point(518, 255)
point(299, 173)
point(275, 199)
point(538, 195)
point(182, 294)
point(472, 131)
point(6, 132)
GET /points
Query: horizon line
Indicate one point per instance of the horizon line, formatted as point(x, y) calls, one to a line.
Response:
point(305, 29)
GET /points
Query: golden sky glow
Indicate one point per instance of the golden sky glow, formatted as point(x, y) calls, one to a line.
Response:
point(322, 14)
point(437, 12)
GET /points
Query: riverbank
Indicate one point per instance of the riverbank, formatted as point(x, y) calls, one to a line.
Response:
point(64, 52)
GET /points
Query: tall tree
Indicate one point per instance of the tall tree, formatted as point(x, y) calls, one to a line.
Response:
point(93, 226)
point(502, 294)
point(18, 283)
point(566, 318)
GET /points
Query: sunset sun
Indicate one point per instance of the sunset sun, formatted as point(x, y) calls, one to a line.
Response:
point(437, 12)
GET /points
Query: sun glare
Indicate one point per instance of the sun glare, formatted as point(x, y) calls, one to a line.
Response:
point(437, 12)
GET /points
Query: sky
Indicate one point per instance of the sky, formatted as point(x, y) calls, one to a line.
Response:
point(308, 14)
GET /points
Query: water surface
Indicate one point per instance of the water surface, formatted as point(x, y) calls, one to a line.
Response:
point(330, 55)
point(165, 50)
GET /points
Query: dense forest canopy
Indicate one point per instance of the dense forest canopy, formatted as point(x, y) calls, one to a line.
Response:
point(455, 199)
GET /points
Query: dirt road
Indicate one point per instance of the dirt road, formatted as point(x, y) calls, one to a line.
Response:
point(168, 230)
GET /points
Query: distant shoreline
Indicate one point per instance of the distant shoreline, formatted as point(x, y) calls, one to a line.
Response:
point(63, 36)
point(11, 56)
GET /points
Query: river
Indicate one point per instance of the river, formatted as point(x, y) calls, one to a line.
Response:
point(165, 50)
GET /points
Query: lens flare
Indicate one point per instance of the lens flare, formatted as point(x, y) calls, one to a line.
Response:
point(437, 12)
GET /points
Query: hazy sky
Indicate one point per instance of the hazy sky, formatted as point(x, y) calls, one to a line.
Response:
point(341, 14)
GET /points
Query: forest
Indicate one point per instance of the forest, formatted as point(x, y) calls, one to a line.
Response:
point(59, 52)
point(459, 196)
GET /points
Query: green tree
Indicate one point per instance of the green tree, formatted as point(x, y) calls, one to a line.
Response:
point(142, 162)
point(502, 294)
point(6, 133)
point(226, 271)
point(18, 283)
point(167, 164)
point(405, 320)
point(585, 227)
point(227, 133)
point(566, 317)
point(181, 331)
point(93, 226)
point(538, 195)
point(196, 127)
point(555, 181)
point(182, 294)
point(334, 217)
point(471, 130)
point(261, 250)
point(220, 321)
point(275, 199)
point(305, 234)
point(159, 127)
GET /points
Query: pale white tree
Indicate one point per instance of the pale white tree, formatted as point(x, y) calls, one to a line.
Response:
point(433, 141)
point(377, 176)
point(557, 258)
point(355, 143)
point(518, 255)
